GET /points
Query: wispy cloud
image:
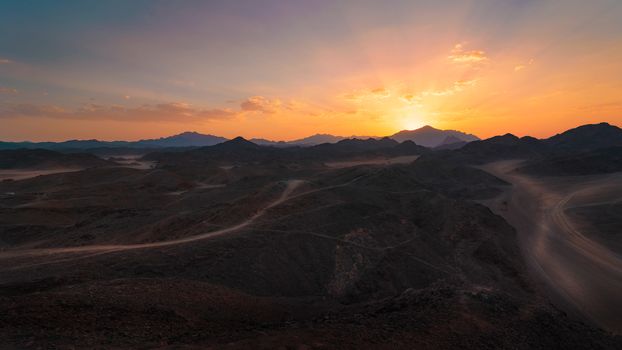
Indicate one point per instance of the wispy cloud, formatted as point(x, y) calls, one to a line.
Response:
point(261, 104)
point(7, 90)
point(174, 112)
point(522, 66)
point(460, 55)
point(369, 94)
point(171, 111)
point(5, 61)
point(456, 87)
point(412, 99)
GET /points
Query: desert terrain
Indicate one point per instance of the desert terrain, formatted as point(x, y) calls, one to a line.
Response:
point(356, 244)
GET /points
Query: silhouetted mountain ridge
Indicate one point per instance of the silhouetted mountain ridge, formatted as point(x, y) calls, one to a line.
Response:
point(586, 138)
point(242, 150)
point(429, 136)
point(587, 149)
point(186, 139)
point(426, 136)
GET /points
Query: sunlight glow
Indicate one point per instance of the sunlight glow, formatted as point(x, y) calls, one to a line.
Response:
point(411, 123)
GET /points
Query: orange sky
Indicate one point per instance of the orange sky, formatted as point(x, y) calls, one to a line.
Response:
point(290, 69)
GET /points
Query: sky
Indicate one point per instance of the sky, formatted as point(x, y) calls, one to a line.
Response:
point(286, 69)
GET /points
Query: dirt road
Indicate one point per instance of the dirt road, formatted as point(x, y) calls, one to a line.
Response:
point(290, 187)
point(579, 271)
point(94, 250)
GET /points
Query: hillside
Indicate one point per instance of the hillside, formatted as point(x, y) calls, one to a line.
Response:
point(45, 159)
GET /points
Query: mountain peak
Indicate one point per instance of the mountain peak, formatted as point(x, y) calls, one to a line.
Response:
point(588, 137)
point(188, 133)
point(185, 139)
point(429, 136)
point(239, 139)
point(238, 142)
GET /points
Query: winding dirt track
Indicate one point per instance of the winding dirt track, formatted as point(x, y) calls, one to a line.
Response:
point(578, 270)
point(291, 186)
point(94, 250)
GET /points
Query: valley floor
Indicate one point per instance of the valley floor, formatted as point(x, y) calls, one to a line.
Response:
point(380, 256)
point(573, 258)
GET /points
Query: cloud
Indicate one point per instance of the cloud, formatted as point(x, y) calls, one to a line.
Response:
point(5, 61)
point(380, 93)
point(9, 91)
point(416, 99)
point(372, 94)
point(522, 66)
point(170, 112)
point(261, 104)
point(412, 99)
point(460, 55)
point(456, 87)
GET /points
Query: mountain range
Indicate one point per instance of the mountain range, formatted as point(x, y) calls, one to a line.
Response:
point(186, 139)
point(241, 245)
point(426, 136)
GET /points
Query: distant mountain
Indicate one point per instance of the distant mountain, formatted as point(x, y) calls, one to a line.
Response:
point(426, 136)
point(265, 142)
point(240, 150)
point(451, 139)
point(237, 144)
point(431, 137)
point(186, 139)
point(312, 140)
point(451, 142)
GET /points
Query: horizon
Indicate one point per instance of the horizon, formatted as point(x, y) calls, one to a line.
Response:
point(282, 70)
point(296, 139)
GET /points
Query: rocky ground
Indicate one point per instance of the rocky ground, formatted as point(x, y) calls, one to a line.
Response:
point(310, 256)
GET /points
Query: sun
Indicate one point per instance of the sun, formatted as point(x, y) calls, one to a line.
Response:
point(409, 117)
point(411, 123)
